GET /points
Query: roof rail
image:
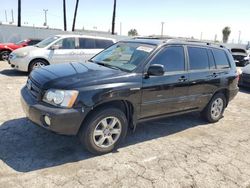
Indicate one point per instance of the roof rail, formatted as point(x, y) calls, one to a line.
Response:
point(208, 43)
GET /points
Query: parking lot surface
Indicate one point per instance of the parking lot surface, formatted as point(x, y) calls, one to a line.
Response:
point(182, 151)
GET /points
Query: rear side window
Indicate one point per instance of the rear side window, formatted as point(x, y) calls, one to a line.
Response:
point(198, 58)
point(172, 58)
point(102, 44)
point(87, 43)
point(220, 59)
point(91, 43)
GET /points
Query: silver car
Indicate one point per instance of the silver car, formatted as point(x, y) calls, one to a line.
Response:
point(58, 49)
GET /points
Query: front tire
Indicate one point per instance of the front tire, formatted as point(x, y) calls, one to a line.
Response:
point(4, 55)
point(37, 63)
point(215, 108)
point(103, 130)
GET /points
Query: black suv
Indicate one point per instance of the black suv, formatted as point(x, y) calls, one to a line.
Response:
point(129, 82)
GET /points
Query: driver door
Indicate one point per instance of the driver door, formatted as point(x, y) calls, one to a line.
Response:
point(65, 52)
point(167, 93)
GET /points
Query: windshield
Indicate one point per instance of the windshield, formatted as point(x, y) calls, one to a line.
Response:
point(46, 42)
point(124, 55)
point(20, 42)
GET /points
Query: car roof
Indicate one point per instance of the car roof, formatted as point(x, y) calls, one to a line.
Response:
point(84, 36)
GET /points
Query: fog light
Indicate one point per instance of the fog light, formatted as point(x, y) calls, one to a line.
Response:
point(47, 120)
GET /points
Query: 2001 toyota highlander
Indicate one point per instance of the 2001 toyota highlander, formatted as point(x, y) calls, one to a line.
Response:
point(129, 82)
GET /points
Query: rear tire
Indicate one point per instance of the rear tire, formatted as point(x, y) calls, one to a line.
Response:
point(4, 55)
point(37, 63)
point(103, 130)
point(215, 108)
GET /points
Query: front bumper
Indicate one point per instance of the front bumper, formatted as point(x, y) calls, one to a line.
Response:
point(63, 121)
point(244, 80)
point(20, 64)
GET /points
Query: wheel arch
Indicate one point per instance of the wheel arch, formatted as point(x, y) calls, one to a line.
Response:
point(124, 105)
point(225, 92)
point(35, 59)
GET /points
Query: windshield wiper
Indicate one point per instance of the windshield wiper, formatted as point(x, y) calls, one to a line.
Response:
point(105, 65)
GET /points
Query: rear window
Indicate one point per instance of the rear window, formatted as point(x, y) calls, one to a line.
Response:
point(198, 58)
point(234, 50)
point(220, 59)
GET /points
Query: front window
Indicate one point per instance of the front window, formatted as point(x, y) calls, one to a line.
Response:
point(20, 42)
point(46, 42)
point(125, 56)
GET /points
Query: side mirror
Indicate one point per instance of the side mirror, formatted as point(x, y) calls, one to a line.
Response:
point(156, 70)
point(55, 47)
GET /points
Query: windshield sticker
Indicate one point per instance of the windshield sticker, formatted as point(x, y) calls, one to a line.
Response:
point(145, 49)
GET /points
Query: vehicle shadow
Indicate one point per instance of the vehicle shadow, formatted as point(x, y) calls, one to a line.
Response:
point(13, 73)
point(26, 147)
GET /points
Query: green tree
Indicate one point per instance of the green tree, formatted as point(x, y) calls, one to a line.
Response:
point(226, 32)
point(132, 32)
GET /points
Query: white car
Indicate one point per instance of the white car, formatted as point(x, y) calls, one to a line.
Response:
point(58, 49)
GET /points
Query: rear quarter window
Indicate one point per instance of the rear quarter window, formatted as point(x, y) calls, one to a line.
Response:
point(221, 59)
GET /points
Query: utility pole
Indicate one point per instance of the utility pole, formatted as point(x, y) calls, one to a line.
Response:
point(239, 37)
point(120, 28)
point(162, 28)
point(12, 16)
point(19, 14)
point(6, 18)
point(113, 18)
point(74, 20)
point(64, 15)
point(201, 36)
point(45, 16)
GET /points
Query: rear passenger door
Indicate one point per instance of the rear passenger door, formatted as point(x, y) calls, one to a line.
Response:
point(202, 75)
point(167, 93)
point(88, 47)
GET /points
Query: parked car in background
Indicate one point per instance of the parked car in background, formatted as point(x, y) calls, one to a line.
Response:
point(130, 82)
point(58, 49)
point(245, 77)
point(7, 48)
point(241, 57)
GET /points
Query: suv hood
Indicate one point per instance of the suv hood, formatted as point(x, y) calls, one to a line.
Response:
point(74, 75)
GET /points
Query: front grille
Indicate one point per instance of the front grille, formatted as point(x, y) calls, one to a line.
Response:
point(33, 88)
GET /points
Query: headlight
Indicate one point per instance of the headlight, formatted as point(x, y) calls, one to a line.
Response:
point(62, 98)
point(20, 55)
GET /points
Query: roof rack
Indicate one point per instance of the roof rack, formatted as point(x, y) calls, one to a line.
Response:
point(208, 43)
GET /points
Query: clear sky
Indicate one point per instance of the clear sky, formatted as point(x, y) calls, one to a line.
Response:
point(185, 18)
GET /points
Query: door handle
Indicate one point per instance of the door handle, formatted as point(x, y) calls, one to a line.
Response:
point(214, 75)
point(182, 79)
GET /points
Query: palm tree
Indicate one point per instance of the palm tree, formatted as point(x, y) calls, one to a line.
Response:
point(226, 32)
point(19, 14)
point(64, 15)
point(113, 19)
point(74, 20)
